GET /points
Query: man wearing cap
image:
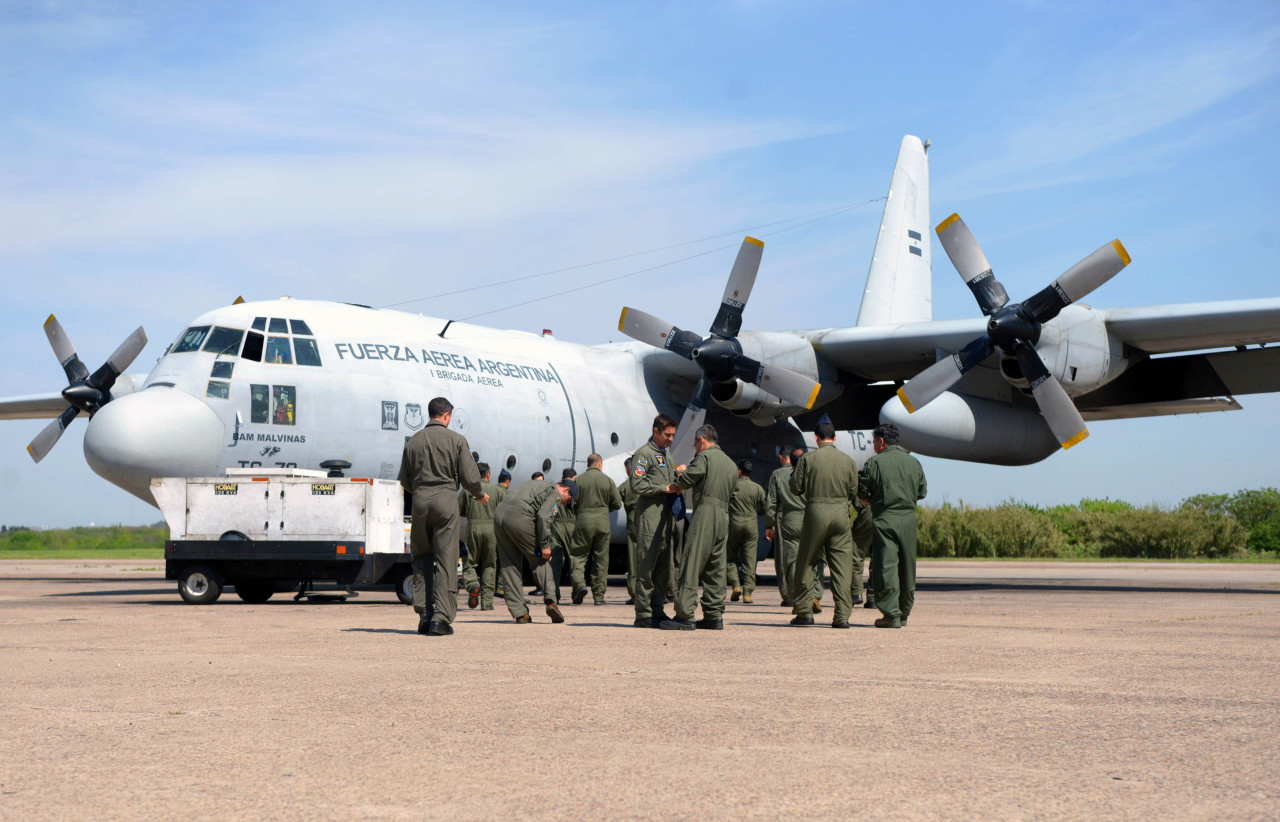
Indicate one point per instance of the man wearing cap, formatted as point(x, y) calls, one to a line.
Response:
point(652, 475)
point(562, 534)
point(744, 534)
point(434, 462)
point(480, 569)
point(892, 483)
point(828, 479)
point(523, 525)
point(597, 496)
point(712, 476)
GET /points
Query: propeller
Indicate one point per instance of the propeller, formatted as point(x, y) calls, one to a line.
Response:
point(719, 355)
point(84, 392)
point(1014, 328)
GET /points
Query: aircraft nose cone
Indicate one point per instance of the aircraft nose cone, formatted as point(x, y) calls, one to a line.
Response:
point(158, 432)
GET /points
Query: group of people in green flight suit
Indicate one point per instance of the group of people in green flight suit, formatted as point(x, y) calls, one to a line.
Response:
point(820, 509)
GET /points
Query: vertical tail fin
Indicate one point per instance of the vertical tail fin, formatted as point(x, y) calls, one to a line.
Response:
point(899, 284)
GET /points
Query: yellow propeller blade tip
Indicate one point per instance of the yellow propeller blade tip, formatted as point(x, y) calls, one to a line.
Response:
point(902, 395)
point(813, 395)
point(942, 226)
point(753, 241)
point(622, 319)
point(1077, 439)
point(46, 322)
point(1120, 249)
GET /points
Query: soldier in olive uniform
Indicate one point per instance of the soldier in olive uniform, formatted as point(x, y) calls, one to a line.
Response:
point(435, 461)
point(861, 530)
point(828, 479)
point(713, 477)
point(523, 524)
point(652, 475)
point(783, 516)
point(744, 533)
point(629, 500)
point(480, 576)
point(562, 536)
point(893, 482)
point(597, 496)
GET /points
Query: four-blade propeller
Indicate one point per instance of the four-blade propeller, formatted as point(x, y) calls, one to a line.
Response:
point(1014, 328)
point(719, 355)
point(84, 392)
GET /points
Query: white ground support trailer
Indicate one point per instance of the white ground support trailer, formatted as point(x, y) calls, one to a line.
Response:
point(264, 531)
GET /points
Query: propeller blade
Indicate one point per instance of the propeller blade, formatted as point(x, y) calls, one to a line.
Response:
point(120, 359)
point(1078, 281)
point(64, 351)
point(742, 277)
point(926, 386)
point(639, 325)
point(694, 416)
point(967, 257)
point(787, 385)
point(51, 433)
point(1059, 411)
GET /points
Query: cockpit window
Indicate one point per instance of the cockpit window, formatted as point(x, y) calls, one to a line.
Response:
point(252, 347)
point(224, 340)
point(222, 370)
point(278, 350)
point(260, 323)
point(278, 326)
point(191, 339)
point(308, 352)
point(299, 327)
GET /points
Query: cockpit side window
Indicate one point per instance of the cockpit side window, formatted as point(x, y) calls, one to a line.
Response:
point(259, 324)
point(278, 326)
point(308, 352)
point(224, 340)
point(278, 350)
point(252, 347)
point(191, 339)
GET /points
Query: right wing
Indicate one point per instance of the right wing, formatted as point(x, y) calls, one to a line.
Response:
point(32, 407)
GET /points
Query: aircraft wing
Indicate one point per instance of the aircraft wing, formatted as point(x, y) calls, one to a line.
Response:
point(32, 407)
point(1162, 329)
point(893, 352)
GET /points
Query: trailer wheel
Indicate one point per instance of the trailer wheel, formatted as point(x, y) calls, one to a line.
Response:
point(200, 584)
point(255, 590)
point(404, 587)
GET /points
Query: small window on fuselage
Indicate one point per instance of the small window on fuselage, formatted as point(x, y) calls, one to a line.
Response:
point(222, 370)
point(282, 404)
point(190, 339)
point(259, 403)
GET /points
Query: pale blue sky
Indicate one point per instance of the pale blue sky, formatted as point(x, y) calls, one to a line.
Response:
point(157, 160)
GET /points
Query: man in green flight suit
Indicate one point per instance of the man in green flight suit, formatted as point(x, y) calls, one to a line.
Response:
point(629, 500)
point(892, 483)
point(523, 524)
point(563, 529)
point(434, 462)
point(783, 516)
point(828, 479)
point(597, 496)
point(652, 476)
point(861, 530)
point(480, 576)
point(744, 533)
point(712, 476)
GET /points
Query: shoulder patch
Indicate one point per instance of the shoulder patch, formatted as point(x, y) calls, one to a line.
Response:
point(659, 460)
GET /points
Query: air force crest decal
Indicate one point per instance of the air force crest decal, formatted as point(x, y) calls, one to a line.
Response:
point(413, 416)
point(390, 415)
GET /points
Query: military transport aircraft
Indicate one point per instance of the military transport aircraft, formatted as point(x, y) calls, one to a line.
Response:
point(292, 383)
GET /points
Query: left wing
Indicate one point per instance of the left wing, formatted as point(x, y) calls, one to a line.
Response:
point(32, 407)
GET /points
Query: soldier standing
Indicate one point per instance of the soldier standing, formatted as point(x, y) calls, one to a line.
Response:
point(434, 462)
point(629, 500)
point(828, 480)
point(523, 524)
point(597, 496)
point(651, 478)
point(744, 533)
point(712, 476)
point(893, 482)
point(562, 535)
point(480, 575)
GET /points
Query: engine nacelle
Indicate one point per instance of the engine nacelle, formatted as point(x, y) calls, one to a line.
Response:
point(959, 427)
point(1077, 350)
point(748, 401)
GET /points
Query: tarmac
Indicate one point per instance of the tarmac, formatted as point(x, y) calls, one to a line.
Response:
point(1019, 690)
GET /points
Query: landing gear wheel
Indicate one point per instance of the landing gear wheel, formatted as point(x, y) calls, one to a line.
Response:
point(404, 587)
point(255, 590)
point(200, 585)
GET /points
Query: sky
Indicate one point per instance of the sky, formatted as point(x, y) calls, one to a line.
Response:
point(159, 159)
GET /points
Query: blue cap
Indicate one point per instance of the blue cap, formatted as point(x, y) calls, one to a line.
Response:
point(503, 475)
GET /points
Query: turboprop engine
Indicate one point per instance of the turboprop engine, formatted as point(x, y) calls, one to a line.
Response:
point(749, 401)
point(959, 427)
